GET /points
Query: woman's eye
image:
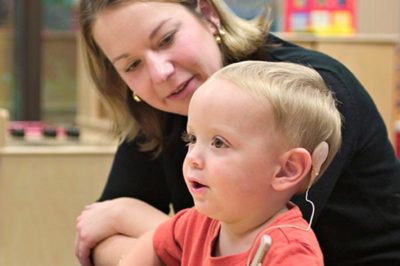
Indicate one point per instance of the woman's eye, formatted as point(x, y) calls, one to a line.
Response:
point(167, 40)
point(188, 138)
point(132, 66)
point(218, 143)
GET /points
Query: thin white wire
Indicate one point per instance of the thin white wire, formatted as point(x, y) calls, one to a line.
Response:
point(295, 226)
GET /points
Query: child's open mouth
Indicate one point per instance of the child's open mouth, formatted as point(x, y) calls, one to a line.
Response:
point(197, 185)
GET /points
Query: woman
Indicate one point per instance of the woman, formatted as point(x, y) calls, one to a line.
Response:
point(148, 57)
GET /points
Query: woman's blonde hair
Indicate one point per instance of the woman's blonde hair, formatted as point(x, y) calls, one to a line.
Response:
point(241, 39)
point(304, 108)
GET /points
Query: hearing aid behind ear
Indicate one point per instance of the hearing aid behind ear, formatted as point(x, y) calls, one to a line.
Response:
point(319, 156)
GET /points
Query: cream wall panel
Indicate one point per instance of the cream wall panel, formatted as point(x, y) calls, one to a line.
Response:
point(42, 191)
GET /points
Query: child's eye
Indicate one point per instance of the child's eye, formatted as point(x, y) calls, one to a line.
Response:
point(132, 66)
point(188, 138)
point(218, 143)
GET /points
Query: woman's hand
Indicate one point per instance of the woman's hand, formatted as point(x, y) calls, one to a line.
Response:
point(99, 221)
point(94, 224)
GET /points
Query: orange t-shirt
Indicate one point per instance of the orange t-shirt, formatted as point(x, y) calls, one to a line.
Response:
point(188, 239)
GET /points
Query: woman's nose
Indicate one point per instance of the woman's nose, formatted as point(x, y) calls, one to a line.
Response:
point(160, 67)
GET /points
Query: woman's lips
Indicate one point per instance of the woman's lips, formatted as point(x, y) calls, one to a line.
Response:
point(184, 90)
point(181, 87)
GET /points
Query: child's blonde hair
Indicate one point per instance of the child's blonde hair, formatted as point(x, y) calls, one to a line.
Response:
point(304, 109)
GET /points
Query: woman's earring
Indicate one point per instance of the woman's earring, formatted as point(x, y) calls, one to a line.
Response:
point(220, 35)
point(135, 97)
point(218, 39)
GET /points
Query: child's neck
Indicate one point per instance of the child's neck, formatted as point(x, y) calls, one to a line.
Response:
point(239, 237)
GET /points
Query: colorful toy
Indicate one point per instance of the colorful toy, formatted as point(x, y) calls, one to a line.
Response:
point(325, 17)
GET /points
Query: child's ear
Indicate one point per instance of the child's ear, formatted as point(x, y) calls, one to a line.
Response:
point(295, 165)
point(210, 14)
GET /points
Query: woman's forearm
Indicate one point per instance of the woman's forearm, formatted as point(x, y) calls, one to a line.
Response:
point(142, 253)
point(112, 249)
point(124, 218)
point(136, 217)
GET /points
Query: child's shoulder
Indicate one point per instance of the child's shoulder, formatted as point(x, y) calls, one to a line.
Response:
point(292, 240)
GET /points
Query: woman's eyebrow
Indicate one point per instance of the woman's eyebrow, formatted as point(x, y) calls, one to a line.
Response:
point(119, 57)
point(157, 29)
point(151, 36)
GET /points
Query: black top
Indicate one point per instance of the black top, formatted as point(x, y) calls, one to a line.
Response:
point(357, 200)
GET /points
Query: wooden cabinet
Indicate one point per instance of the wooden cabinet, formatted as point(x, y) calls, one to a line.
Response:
point(44, 185)
point(42, 191)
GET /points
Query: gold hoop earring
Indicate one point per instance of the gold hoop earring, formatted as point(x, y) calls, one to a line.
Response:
point(135, 97)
